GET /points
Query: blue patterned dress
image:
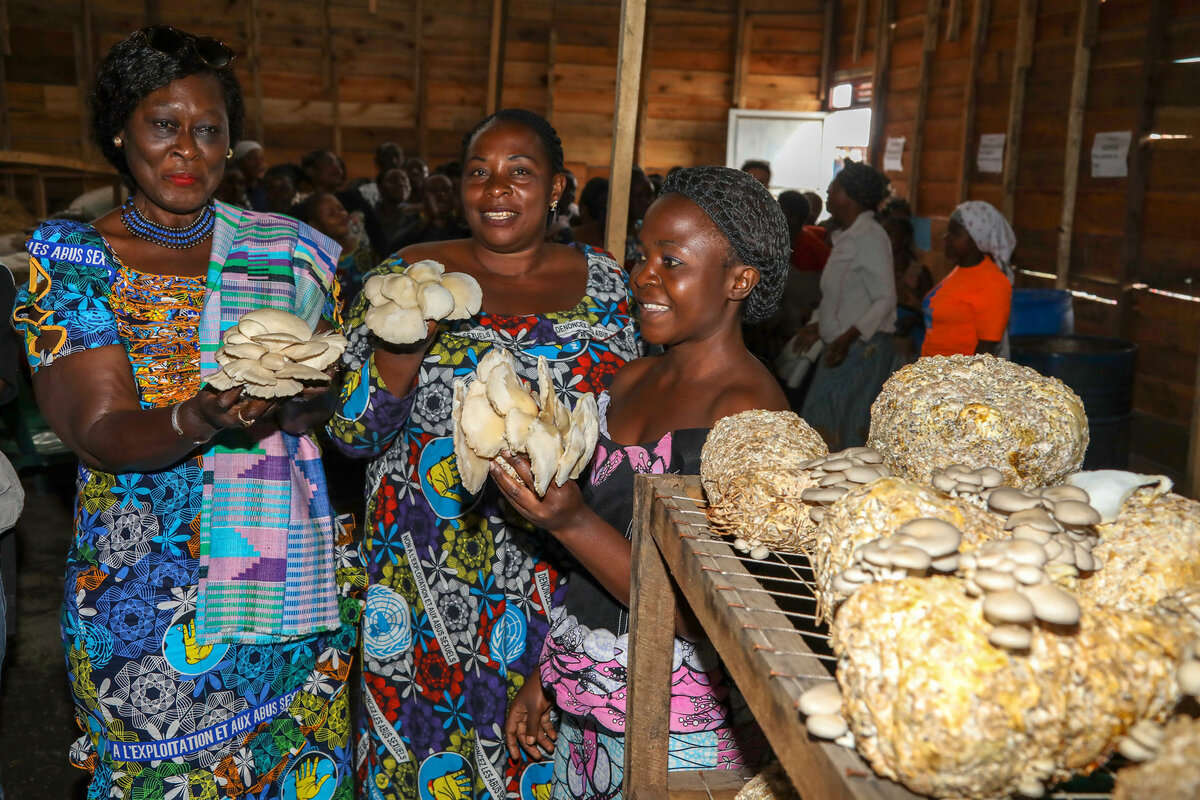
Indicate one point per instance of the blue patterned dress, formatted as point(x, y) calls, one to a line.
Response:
point(460, 586)
point(163, 717)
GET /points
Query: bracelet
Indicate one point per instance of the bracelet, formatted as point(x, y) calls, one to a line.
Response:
point(175, 426)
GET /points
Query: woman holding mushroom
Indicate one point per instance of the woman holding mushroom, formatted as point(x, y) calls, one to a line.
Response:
point(461, 586)
point(207, 644)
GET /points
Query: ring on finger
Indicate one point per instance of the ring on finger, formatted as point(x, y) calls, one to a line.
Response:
point(246, 423)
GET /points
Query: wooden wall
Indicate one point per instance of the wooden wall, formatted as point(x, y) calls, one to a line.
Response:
point(351, 73)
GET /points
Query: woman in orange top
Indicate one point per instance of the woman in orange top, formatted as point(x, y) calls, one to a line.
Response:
point(968, 311)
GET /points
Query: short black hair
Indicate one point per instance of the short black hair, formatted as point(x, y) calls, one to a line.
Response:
point(451, 169)
point(535, 122)
point(756, 163)
point(290, 171)
point(594, 198)
point(130, 72)
point(306, 209)
point(794, 204)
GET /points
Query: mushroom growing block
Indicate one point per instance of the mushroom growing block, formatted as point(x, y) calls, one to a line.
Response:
point(402, 302)
point(978, 411)
point(273, 354)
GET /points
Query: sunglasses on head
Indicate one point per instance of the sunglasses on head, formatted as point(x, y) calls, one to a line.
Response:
point(171, 42)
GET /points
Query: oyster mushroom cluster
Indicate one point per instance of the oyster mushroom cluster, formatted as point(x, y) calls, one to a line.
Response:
point(1172, 772)
point(273, 353)
point(402, 302)
point(978, 411)
point(497, 413)
point(838, 473)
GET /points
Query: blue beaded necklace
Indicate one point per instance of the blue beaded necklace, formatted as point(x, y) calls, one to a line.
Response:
point(164, 235)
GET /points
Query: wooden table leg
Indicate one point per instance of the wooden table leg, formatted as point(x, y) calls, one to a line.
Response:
point(651, 645)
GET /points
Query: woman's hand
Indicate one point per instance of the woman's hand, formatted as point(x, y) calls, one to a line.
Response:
point(312, 407)
point(527, 724)
point(805, 337)
point(561, 507)
point(839, 348)
point(397, 364)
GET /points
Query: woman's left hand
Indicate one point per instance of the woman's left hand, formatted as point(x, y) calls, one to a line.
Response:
point(561, 507)
point(839, 348)
point(312, 407)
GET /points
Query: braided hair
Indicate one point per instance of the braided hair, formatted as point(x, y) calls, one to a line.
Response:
point(751, 221)
point(535, 122)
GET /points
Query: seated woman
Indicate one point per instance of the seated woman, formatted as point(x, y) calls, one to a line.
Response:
point(324, 212)
point(913, 281)
point(967, 312)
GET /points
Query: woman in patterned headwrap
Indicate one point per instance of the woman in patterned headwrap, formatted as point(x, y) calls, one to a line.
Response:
point(968, 311)
point(857, 314)
point(712, 253)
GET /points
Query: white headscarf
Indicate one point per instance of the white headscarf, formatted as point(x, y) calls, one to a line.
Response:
point(244, 147)
point(990, 230)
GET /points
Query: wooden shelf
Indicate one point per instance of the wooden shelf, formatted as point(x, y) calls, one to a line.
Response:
point(41, 166)
point(765, 651)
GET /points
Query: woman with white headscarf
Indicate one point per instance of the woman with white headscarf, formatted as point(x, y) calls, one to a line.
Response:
point(967, 312)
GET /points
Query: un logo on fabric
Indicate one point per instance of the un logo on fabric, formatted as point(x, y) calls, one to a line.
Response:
point(507, 642)
point(386, 624)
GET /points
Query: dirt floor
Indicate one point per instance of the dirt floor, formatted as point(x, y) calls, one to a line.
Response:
point(36, 715)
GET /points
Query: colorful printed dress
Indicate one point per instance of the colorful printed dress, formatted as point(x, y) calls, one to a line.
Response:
point(585, 657)
point(460, 585)
point(163, 717)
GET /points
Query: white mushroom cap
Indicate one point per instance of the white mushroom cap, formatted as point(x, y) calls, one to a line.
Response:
point(396, 324)
point(426, 270)
point(435, 300)
point(1034, 517)
point(824, 698)
point(1074, 512)
point(1188, 676)
point(1008, 606)
point(1011, 637)
point(400, 289)
point(1008, 500)
point(936, 537)
point(468, 296)
point(826, 726)
point(1052, 604)
point(273, 320)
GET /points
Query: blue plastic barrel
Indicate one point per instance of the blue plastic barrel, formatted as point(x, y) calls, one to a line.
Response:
point(1100, 370)
point(1041, 312)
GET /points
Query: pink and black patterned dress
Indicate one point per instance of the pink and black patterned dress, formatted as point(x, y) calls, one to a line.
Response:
point(584, 660)
point(460, 585)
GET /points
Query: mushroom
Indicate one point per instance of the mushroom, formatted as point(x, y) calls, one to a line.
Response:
point(401, 303)
point(272, 353)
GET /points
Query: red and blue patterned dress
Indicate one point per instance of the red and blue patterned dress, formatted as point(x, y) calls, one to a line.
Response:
point(460, 586)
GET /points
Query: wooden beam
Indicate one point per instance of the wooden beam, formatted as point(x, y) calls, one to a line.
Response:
point(1085, 40)
point(254, 65)
point(1139, 157)
point(933, 13)
point(979, 23)
point(828, 47)
point(1022, 60)
point(1193, 462)
point(331, 78)
point(860, 30)
point(5, 44)
point(883, 59)
point(741, 57)
point(643, 107)
point(495, 86)
point(954, 23)
point(629, 67)
point(420, 84)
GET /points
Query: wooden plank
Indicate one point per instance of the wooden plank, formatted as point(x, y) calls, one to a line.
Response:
point(1135, 187)
point(829, 18)
point(1085, 40)
point(420, 81)
point(639, 146)
point(741, 57)
point(932, 14)
point(1022, 60)
point(954, 23)
point(651, 646)
point(331, 80)
point(254, 65)
point(629, 67)
point(1193, 460)
point(860, 31)
point(879, 82)
point(495, 87)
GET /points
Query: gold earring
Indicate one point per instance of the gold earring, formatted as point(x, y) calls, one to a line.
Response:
point(118, 141)
point(229, 154)
point(553, 205)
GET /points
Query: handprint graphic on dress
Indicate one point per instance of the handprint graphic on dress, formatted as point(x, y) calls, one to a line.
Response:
point(451, 786)
point(305, 777)
point(444, 478)
point(193, 652)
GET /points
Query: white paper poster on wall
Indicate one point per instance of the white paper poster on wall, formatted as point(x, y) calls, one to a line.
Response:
point(991, 153)
point(1110, 154)
point(893, 154)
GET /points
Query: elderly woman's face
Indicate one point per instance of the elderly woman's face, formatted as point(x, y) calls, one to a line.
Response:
point(175, 143)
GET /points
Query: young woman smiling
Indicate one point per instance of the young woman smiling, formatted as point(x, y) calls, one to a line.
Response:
point(460, 587)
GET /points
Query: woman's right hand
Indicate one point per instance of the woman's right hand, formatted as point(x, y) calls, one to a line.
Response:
point(398, 363)
point(218, 411)
point(805, 337)
point(527, 724)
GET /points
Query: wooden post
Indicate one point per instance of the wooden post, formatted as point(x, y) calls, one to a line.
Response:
point(495, 86)
point(828, 44)
point(331, 78)
point(883, 58)
point(643, 106)
point(860, 31)
point(1022, 60)
point(651, 645)
point(932, 13)
point(1085, 40)
point(420, 85)
point(983, 10)
point(1139, 157)
point(740, 62)
point(954, 23)
point(1193, 462)
point(629, 66)
point(254, 64)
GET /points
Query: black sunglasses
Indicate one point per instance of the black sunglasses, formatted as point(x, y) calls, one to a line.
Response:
point(171, 42)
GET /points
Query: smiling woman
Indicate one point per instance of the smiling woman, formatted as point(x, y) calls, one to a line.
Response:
point(188, 675)
point(460, 588)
